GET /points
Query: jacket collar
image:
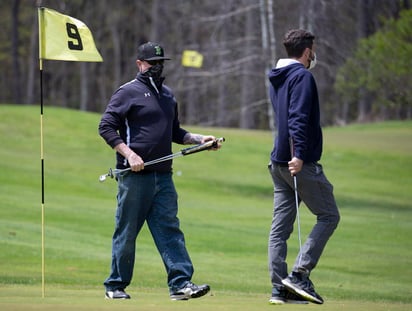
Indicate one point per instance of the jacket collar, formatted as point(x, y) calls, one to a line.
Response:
point(150, 82)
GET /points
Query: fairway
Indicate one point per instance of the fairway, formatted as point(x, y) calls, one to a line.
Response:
point(225, 200)
point(154, 299)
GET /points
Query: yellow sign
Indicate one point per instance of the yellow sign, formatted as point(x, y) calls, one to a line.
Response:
point(192, 58)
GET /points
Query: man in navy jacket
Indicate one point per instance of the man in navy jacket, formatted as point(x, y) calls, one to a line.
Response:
point(140, 123)
point(296, 152)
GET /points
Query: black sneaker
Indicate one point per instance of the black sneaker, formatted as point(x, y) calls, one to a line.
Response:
point(292, 298)
point(117, 294)
point(278, 296)
point(282, 296)
point(301, 285)
point(190, 290)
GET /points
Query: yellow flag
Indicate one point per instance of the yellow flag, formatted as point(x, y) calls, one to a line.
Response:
point(192, 58)
point(62, 37)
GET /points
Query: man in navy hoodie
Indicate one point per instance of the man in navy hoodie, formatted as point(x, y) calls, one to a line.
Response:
point(140, 123)
point(295, 101)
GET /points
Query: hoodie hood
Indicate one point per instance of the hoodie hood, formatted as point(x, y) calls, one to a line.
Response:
point(284, 68)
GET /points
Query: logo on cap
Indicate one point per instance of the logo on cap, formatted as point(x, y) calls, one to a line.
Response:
point(158, 50)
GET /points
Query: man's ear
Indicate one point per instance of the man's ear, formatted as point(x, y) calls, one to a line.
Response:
point(307, 53)
point(138, 64)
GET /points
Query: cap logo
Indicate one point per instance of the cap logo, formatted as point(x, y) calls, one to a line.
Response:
point(158, 50)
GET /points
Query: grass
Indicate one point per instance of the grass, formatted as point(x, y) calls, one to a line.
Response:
point(225, 202)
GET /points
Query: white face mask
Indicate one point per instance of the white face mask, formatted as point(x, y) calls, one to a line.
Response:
point(313, 61)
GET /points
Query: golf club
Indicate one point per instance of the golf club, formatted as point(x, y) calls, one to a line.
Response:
point(190, 150)
point(295, 183)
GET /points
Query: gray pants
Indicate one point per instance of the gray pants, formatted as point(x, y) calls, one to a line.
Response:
point(317, 193)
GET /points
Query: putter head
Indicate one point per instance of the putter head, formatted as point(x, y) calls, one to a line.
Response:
point(103, 177)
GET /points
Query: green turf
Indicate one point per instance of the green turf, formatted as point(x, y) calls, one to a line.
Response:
point(225, 211)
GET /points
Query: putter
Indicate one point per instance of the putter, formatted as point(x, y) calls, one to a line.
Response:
point(295, 184)
point(190, 150)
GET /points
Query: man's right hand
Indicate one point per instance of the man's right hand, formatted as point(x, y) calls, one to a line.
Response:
point(136, 163)
point(295, 166)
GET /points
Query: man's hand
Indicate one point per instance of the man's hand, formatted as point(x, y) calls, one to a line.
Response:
point(136, 163)
point(209, 138)
point(196, 139)
point(295, 166)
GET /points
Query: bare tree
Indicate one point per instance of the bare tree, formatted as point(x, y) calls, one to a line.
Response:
point(32, 63)
point(268, 41)
point(365, 9)
point(15, 52)
point(236, 37)
point(248, 73)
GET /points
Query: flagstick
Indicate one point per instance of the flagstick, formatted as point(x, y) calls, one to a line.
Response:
point(40, 12)
point(42, 182)
point(79, 39)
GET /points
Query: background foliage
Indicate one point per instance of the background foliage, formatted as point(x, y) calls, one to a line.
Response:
point(380, 67)
point(240, 40)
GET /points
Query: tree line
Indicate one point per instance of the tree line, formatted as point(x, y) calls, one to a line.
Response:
point(357, 42)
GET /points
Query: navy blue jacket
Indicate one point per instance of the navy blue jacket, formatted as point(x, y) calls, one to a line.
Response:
point(295, 101)
point(145, 117)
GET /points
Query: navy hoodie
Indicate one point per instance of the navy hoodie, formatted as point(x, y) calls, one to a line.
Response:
point(144, 116)
point(294, 97)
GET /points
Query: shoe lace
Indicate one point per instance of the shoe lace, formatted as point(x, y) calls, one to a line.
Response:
point(190, 284)
point(305, 281)
point(308, 284)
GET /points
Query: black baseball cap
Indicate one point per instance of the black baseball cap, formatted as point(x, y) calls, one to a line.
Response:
point(151, 51)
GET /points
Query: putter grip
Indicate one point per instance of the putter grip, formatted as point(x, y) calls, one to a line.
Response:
point(207, 145)
point(292, 148)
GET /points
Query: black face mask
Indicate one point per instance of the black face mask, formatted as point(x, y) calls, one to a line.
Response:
point(155, 71)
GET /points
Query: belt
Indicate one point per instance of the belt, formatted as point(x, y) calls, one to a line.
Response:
point(282, 164)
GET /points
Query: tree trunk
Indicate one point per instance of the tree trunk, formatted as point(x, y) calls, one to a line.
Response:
point(84, 86)
point(17, 98)
point(191, 105)
point(269, 45)
point(364, 9)
point(307, 16)
point(155, 28)
point(222, 102)
point(32, 64)
point(247, 92)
